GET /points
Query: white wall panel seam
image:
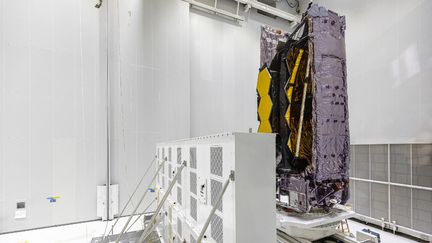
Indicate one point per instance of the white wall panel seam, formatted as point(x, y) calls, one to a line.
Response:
point(29, 121)
point(2, 111)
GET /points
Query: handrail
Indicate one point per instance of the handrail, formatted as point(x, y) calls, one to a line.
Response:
point(130, 199)
point(152, 222)
point(141, 214)
point(139, 203)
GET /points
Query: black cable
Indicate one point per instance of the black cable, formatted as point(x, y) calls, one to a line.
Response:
point(293, 6)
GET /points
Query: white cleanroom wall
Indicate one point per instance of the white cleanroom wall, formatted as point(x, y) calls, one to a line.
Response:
point(52, 111)
point(149, 80)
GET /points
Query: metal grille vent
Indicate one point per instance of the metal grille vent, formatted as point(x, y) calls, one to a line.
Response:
point(215, 190)
point(179, 228)
point(169, 154)
point(179, 195)
point(179, 181)
point(169, 171)
point(179, 156)
point(216, 161)
point(217, 229)
point(192, 239)
point(193, 162)
point(193, 208)
point(193, 183)
point(163, 168)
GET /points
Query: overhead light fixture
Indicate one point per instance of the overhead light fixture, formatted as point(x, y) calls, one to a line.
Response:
point(271, 10)
point(214, 10)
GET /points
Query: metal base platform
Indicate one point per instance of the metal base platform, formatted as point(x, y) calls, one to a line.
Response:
point(308, 227)
point(130, 237)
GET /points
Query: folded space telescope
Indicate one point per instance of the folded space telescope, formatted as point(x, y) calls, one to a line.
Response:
point(302, 96)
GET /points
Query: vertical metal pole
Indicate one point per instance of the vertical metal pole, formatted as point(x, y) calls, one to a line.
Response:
point(353, 182)
point(411, 182)
point(212, 212)
point(150, 226)
point(388, 181)
point(108, 107)
point(238, 6)
point(370, 183)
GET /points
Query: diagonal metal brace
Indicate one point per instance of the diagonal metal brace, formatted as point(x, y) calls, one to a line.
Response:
point(139, 203)
point(130, 199)
point(153, 220)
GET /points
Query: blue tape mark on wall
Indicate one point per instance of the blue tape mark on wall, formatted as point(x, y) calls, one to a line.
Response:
point(53, 199)
point(151, 190)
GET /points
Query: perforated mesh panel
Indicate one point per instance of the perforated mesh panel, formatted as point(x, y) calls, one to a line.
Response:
point(179, 156)
point(422, 165)
point(362, 198)
point(400, 171)
point(216, 161)
point(400, 208)
point(193, 183)
point(379, 201)
point(193, 208)
point(179, 227)
point(409, 207)
point(179, 195)
point(169, 154)
point(217, 229)
point(193, 161)
point(378, 162)
point(215, 190)
point(179, 181)
point(361, 158)
point(422, 210)
point(163, 168)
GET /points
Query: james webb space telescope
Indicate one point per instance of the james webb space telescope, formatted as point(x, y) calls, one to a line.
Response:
point(302, 97)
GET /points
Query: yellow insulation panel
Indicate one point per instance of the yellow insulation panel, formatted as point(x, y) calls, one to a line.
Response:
point(265, 103)
point(290, 85)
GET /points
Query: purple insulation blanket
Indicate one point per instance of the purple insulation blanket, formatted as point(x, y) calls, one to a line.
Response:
point(269, 40)
point(330, 149)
